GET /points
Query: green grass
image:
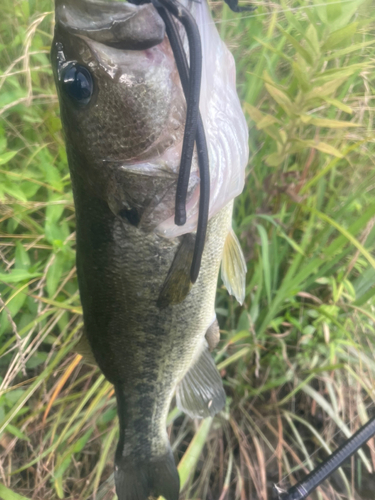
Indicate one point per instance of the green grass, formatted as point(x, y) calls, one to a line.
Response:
point(297, 358)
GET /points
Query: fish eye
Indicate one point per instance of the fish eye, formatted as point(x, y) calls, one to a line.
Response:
point(77, 83)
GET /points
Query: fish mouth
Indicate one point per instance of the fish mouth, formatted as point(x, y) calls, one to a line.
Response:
point(116, 24)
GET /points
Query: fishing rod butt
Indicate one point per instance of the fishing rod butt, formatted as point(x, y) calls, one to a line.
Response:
point(296, 492)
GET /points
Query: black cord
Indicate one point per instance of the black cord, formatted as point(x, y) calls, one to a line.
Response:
point(203, 162)
point(302, 489)
point(194, 130)
point(192, 103)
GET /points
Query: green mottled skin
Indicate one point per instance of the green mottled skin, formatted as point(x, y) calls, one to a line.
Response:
point(142, 349)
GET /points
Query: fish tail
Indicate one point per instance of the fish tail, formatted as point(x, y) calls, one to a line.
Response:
point(140, 480)
point(141, 474)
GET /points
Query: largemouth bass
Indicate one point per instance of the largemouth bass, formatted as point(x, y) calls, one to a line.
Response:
point(123, 114)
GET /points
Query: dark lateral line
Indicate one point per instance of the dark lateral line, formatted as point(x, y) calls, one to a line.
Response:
point(203, 162)
point(192, 101)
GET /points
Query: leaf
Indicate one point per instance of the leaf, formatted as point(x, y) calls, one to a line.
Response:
point(271, 48)
point(36, 359)
point(106, 446)
point(281, 233)
point(303, 52)
point(3, 141)
point(51, 173)
point(16, 432)
point(323, 147)
point(325, 89)
point(6, 157)
point(30, 189)
point(335, 13)
point(17, 275)
point(275, 159)
point(54, 273)
point(325, 122)
point(189, 461)
point(7, 494)
point(14, 190)
point(13, 305)
point(349, 50)
point(54, 211)
point(267, 79)
point(312, 39)
point(263, 121)
point(338, 104)
point(266, 261)
point(67, 346)
point(345, 233)
point(291, 242)
point(22, 258)
point(293, 21)
point(301, 77)
point(76, 447)
point(339, 73)
point(266, 121)
point(281, 98)
point(233, 358)
point(253, 112)
point(338, 37)
point(329, 167)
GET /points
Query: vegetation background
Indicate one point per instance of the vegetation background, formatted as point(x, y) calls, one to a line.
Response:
point(297, 358)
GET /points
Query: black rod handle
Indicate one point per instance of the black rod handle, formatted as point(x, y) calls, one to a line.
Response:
point(303, 488)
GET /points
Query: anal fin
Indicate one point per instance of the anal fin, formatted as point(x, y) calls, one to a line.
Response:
point(233, 267)
point(84, 349)
point(200, 393)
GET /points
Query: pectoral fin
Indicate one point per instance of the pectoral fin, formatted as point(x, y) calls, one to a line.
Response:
point(177, 284)
point(200, 393)
point(84, 349)
point(233, 267)
point(213, 335)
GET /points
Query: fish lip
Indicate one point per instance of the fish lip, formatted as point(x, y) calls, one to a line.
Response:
point(119, 25)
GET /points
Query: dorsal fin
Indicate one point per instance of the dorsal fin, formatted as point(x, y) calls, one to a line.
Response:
point(233, 267)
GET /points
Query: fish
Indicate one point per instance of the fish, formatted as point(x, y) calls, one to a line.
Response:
point(147, 327)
